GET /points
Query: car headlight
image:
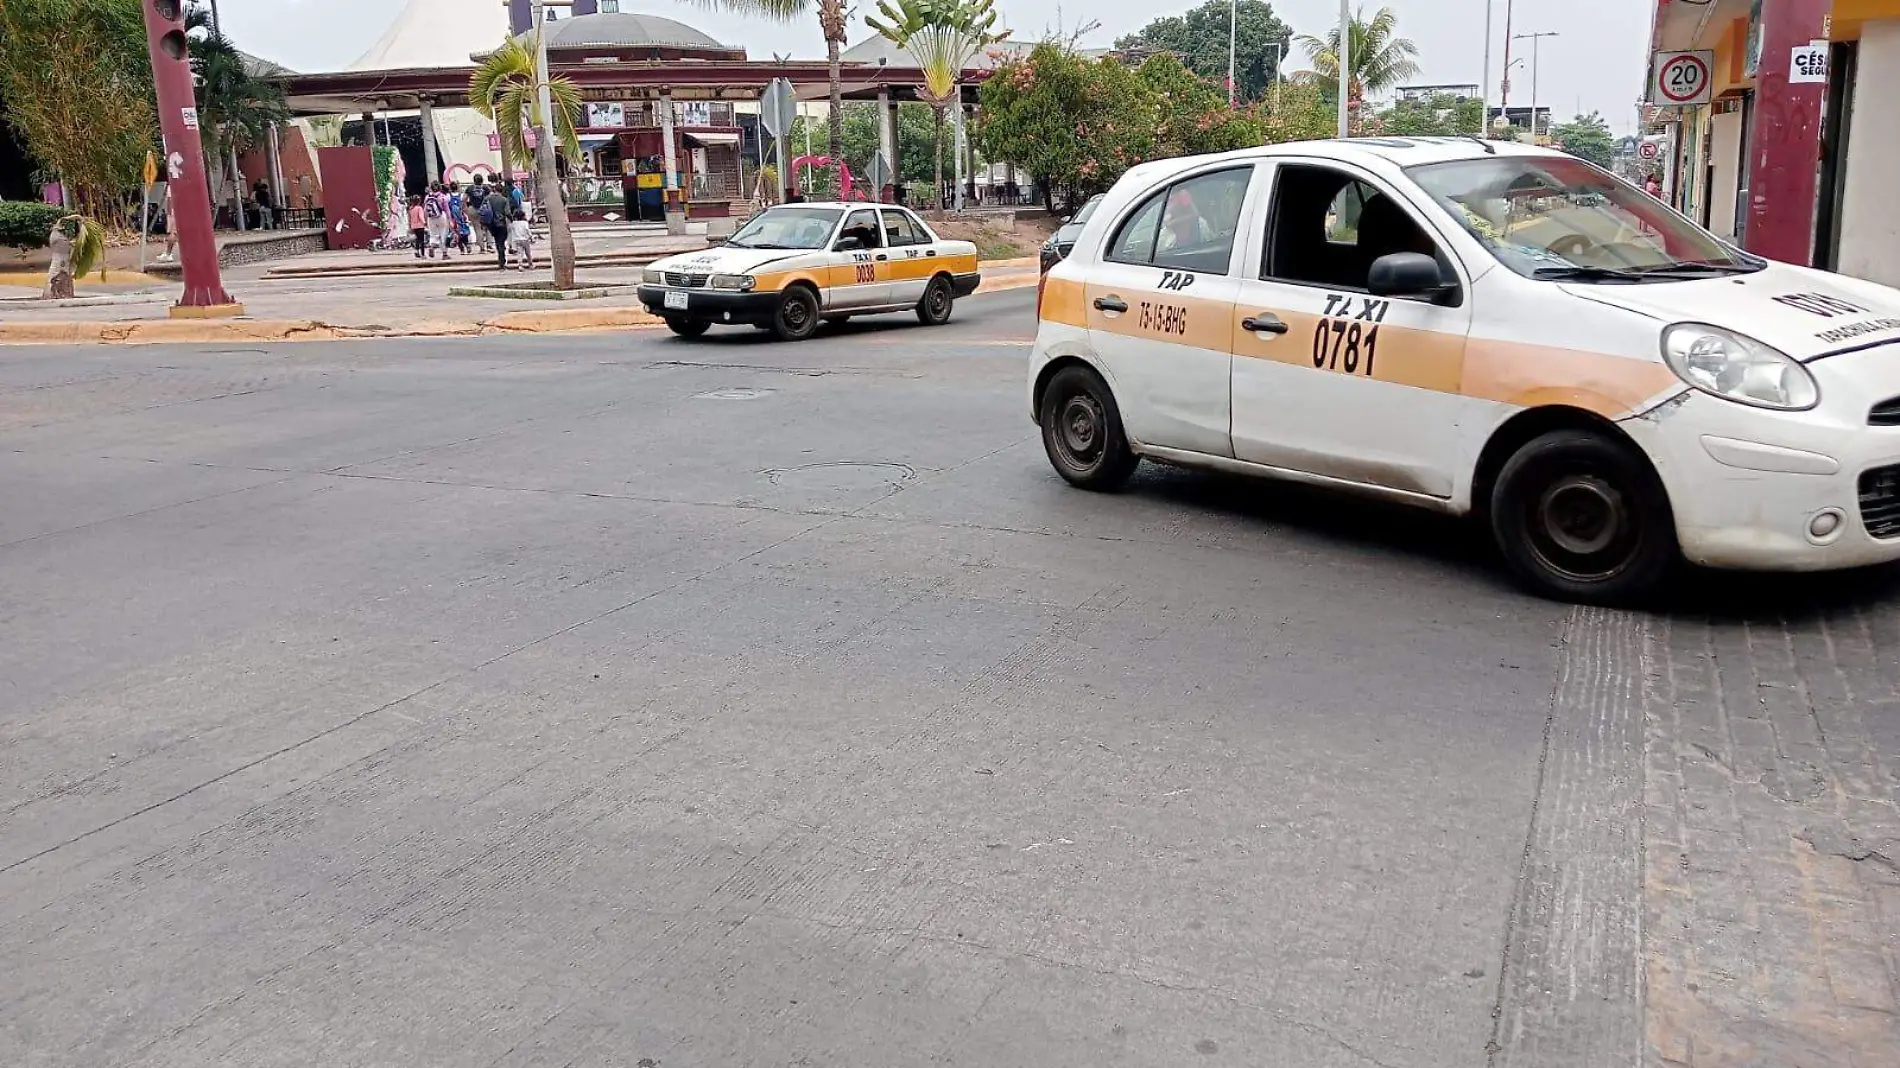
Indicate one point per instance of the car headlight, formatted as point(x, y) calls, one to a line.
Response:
point(740, 282)
point(653, 276)
point(1738, 368)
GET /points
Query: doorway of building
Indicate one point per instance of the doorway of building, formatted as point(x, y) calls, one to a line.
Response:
point(1831, 184)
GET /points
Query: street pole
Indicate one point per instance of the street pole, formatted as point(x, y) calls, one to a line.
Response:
point(1534, 38)
point(184, 165)
point(1484, 78)
point(1345, 66)
point(1504, 86)
point(1233, 24)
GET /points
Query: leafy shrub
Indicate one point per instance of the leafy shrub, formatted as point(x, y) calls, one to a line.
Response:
point(25, 223)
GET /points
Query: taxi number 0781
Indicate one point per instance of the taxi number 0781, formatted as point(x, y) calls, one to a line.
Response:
point(1345, 345)
point(1163, 318)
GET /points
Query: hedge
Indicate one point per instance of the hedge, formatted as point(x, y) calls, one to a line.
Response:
point(26, 223)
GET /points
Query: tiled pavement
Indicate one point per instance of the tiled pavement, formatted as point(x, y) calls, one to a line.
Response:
point(1771, 844)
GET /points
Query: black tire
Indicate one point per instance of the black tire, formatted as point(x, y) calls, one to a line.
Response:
point(1082, 431)
point(797, 316)
point(1581, 516)
point(688, 327)
point(939, 300)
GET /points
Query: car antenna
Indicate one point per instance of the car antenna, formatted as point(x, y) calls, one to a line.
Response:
point(1489, 148)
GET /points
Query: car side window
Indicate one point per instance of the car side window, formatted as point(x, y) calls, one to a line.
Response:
point(863, 226)
point(1327, 227)
point(1189, 226)
point(901, 229)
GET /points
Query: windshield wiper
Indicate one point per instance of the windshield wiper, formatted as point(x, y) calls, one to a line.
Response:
point(1698, 270)
point(1575, 273)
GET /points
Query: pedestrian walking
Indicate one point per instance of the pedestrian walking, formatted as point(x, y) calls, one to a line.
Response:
point(521, 241)
point(494, 216)
point(472, 207)
point(260, 194)
point(458, 215)
point(418, 226)
point(171, 229)
point(435, 210)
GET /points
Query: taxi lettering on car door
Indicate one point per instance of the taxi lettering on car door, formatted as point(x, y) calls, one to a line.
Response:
point(1328, 377)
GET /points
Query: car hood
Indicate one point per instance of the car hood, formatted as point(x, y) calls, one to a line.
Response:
point(728, 260)
point(1803, 312)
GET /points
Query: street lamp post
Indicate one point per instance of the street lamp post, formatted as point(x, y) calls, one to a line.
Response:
point(1345, 65)
point(1534, 38)
point(1233, 24)
point(1484, 78)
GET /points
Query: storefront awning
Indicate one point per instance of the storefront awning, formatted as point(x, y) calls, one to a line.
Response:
point(591, 142)
point(708, 140)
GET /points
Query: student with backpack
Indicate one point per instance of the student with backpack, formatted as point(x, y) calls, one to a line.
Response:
point(435, 208)
point(478, 193)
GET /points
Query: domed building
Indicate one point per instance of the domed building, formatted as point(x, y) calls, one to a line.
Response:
point(670, 124)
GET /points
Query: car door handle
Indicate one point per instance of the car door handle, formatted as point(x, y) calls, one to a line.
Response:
point(1111, 304)
point(882, 256)
point(1264, 323)
point(932, 252)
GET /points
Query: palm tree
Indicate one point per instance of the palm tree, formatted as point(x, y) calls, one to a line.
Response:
point(236, 106)
point(507, 88)
point(941, 36)
point(1376, 62)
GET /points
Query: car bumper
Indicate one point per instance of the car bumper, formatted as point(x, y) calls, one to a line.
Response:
point(712, 305)
point(1747, 484)
point(965, 284)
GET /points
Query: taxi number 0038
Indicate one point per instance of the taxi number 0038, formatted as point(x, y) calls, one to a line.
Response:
point(866, 270)
point(1163, 318)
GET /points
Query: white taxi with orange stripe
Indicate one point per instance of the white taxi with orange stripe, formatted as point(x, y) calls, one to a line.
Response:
point(1479, 328)
point(793, 266)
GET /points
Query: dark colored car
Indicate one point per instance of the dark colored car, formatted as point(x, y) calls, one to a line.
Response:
point(1057, 248)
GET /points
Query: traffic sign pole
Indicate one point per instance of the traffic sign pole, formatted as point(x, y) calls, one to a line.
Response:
point(165, 41)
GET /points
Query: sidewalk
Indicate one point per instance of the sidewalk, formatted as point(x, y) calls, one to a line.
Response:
point(330, 308)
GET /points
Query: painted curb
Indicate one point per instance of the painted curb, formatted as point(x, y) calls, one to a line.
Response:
point(221, 331)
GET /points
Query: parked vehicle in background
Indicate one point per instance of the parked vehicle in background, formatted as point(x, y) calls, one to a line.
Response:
point(1062, 241)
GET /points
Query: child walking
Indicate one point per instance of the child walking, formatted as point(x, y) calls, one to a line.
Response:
point(521, 241)
point(418, 226)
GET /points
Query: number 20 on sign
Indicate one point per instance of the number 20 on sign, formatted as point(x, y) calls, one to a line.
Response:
point(1680, 79)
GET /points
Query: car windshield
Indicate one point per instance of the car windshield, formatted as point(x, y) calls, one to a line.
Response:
point(1088, 209)
point(787, 226)
point(1563, 219)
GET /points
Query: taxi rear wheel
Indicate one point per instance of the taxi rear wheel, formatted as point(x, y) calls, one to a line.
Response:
point(688, 327)
point(797, 316)
point(934, 309)
point(1580, 516)
point(1082, 431)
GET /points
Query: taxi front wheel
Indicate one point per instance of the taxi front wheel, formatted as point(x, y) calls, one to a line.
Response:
point(797, 315)
point(934, 309)
point(1580, 516)
point(1082, 431)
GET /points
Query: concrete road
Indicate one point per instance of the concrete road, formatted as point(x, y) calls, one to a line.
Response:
point(630, 701)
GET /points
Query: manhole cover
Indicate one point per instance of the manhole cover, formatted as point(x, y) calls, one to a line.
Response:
point(736, 393)
point(842, 475)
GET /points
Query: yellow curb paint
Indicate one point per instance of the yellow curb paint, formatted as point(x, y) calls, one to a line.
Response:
point(205, 311)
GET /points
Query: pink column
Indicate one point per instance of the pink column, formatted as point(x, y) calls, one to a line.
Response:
point(1784, 137)
point(184, 163)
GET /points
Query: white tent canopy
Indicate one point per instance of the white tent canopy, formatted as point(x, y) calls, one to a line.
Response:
point(445, 33)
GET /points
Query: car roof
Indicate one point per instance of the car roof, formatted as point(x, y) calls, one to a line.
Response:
point(834, 204)
point(1394, 150)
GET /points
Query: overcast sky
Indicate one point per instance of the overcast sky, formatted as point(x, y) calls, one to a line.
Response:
point(1597, 62)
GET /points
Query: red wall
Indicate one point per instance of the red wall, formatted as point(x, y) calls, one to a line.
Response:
point(303, 185)
point(350, 187)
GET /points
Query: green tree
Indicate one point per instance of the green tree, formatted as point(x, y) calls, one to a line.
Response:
point(1199, 37)
point(1192, 115)
point(237, 106)
point(507, 88)
point(1587, 137)
point(917, 134)
point(1297, 111)
point(1440, 114)
point(1073, 122)
point(77, 86)
point(1378, 61)
point(941, 37)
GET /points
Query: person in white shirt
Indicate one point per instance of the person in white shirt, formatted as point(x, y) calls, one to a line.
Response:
point(521, 242)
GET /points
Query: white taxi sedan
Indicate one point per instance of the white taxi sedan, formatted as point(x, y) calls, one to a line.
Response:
point(793, 266)
point(1482, 328)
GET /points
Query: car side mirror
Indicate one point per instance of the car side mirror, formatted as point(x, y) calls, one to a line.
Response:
point(1066, 219)
point(1406, 274)
point(847, 243)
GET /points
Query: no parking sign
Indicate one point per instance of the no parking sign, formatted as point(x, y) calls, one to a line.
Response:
point(1681, 79)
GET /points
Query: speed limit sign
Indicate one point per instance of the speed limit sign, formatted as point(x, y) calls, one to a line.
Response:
point(1681, 79)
